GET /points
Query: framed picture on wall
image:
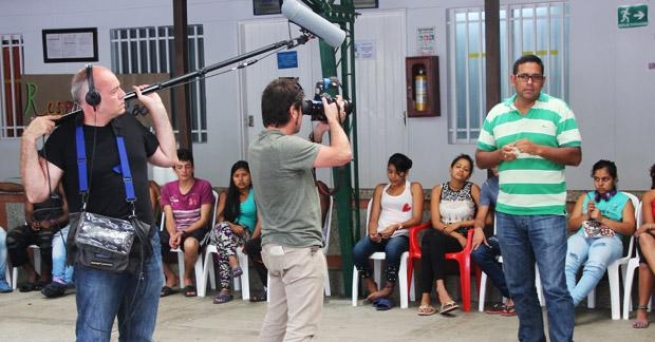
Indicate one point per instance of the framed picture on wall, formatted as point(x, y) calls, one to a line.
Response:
point(266, 7)
point(365, 3)
point(70, 45)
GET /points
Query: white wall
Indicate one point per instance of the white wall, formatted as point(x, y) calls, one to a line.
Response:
point(611, 87)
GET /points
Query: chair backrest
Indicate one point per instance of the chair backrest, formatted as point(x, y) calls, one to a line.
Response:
point(327, 225)
point(631, 239)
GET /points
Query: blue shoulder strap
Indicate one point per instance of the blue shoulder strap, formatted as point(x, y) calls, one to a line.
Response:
point(83, 172)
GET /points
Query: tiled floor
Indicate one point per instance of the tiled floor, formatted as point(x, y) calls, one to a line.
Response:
point(30, 317)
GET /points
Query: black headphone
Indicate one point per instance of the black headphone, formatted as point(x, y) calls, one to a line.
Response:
point(605, 196)
point(92, 96)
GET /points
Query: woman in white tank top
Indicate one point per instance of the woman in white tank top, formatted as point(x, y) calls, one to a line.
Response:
point(395, 208)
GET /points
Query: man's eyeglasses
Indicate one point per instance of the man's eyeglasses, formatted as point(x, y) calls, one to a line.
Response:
point(533, 77)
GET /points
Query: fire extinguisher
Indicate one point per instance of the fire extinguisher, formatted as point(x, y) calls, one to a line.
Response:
point(421, 91)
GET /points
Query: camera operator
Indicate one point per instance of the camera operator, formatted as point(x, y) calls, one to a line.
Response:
point(281, 168)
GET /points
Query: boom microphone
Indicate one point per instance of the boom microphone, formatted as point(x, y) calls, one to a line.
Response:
point(312, 22)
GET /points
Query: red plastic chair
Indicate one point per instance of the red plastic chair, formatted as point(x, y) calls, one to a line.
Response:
point(462, 257)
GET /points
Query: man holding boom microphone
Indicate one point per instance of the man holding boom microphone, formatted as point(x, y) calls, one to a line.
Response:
point(102, 295)
point(281, 167)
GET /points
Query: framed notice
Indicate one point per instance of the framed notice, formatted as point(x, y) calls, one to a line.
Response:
point(365, 3)
point(266, 7)
point(70, 45)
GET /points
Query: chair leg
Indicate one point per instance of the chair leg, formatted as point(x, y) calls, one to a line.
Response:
point(465, 274)
point(627, 288)
point(591, 299)
point(483, 291)
point(355, 286)
point(410, 278)
point(613, 275)
point(180, 265)
point(245, 277)
point(404, 303)
point(201, 284)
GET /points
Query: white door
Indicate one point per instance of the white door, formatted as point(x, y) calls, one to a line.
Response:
point(381, 102)
point(380, 82)
point(258, 34)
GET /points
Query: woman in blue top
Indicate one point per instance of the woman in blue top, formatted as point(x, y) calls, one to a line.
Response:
point(238, 223)
point(602, 218)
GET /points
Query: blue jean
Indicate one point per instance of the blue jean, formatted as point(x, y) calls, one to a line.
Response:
point(596, 255)
point(3, 255)
point(103, 295)
point(394, 249)
point(525, 240)
point(60, 272)
point(486, 257)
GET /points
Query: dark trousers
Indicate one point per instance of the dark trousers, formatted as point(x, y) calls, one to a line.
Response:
point(19, 238)
point(434, 246)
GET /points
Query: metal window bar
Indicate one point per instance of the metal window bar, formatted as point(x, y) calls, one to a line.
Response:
point(516, 17)
point(137, 40)
point(11, 125)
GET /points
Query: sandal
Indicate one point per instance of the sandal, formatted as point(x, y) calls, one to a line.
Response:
point(509, 311)
point(223, 297)
point(190, 291)
point(638, 323)
point(383, 304)
point(426, 310)
point(448, 307)
point(496, 309)
point(28, 287)
point(258, 297)
point(166, 291)
point(237, 271)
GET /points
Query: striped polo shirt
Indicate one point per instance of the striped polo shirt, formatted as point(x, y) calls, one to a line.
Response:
point(531, 185)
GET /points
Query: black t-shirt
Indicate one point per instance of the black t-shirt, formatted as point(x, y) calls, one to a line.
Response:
point(106, 187)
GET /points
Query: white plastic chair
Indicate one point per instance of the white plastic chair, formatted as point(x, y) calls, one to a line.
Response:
point(377, 258)
point(240, 283)
point(613, 270)
point(198, 268)
point(629, 274)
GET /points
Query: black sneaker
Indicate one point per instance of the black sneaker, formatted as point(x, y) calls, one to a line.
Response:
point(54, 290)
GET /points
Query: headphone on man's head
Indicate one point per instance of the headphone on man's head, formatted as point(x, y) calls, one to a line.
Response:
point(92, 96)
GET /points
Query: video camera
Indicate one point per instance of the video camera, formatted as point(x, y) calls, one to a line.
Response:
point(315, 107)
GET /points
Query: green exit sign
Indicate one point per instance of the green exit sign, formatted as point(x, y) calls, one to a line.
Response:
point(633, 16)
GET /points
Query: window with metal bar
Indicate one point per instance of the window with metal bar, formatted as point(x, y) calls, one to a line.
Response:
point(150, 50)
point(11, 69)
point(536, 28)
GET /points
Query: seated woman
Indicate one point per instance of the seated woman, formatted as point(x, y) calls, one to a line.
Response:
point(601, 217)
point(396, 207)
point(238, 224)
point(453, 207)
point(646, 249)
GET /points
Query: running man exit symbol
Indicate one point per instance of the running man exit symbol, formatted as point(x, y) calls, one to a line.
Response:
point(632, 16)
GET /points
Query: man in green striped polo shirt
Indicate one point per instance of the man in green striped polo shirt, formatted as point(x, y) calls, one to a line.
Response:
point(532, 137)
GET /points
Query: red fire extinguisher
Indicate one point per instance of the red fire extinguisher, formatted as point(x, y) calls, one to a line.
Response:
point(421, 91)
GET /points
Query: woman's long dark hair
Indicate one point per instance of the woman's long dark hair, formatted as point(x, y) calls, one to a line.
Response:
point(233, 202)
